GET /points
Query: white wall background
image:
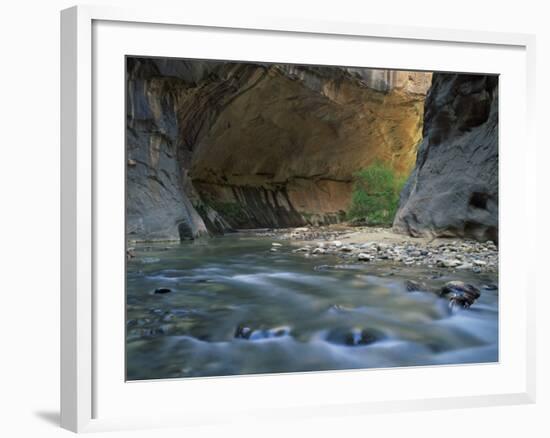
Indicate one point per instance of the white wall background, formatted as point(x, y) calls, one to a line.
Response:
point(29, 184)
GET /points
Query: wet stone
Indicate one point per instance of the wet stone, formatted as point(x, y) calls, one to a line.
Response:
point(353, 337)
point(461, 255)
point(269, 333)
point(460, 293)
point(415, 286)
point(243, 332)
point(364, 257)
point(449, 263)
point(338, 308)
point(146, 332)
point(149, 260)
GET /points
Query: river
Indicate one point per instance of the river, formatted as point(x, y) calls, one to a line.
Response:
point(231, 306)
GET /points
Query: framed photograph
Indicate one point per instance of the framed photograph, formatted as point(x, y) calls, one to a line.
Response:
point(281, 217)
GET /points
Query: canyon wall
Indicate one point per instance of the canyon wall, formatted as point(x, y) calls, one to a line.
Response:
point(453, 189)
point(217, 145)
point(160, 197)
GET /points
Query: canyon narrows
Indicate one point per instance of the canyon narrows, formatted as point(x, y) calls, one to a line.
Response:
point(214, 146)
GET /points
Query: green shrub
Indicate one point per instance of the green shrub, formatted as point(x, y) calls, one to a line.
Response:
point(233, 212)
point(375, 194)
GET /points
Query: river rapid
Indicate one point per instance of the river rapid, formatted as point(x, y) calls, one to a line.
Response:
point(230, 306)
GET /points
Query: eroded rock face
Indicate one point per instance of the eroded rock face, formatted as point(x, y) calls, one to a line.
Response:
point(453, 189)
point(217, 145)
point(159, 194)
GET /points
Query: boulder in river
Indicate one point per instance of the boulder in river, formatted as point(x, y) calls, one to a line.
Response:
point(460, 293)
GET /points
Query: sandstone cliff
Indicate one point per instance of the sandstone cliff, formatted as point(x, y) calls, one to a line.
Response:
point(453, 189)
point(217, 145)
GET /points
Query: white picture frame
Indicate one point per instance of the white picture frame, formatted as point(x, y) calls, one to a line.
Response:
point(83, 370)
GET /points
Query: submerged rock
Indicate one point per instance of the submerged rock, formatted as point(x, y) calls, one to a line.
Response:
point(145, 333)
point(338, 308)
point(353, 337)
point(245, 332)
point(414, 286)
point(162, 290)
point(276, 332)
point(149, 260)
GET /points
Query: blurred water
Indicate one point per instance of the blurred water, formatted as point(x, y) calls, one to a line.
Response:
point(237, 308)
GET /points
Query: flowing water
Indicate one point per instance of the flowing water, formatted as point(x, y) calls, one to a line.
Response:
point(234, 307)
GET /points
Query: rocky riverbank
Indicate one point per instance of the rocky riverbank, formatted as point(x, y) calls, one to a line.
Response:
point(375, 245)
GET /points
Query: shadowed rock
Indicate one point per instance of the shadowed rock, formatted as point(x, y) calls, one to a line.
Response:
point(453, 189)
point(353, 337)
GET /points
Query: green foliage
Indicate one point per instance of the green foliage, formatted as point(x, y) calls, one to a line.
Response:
point(231, 211)
point(376, 194)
